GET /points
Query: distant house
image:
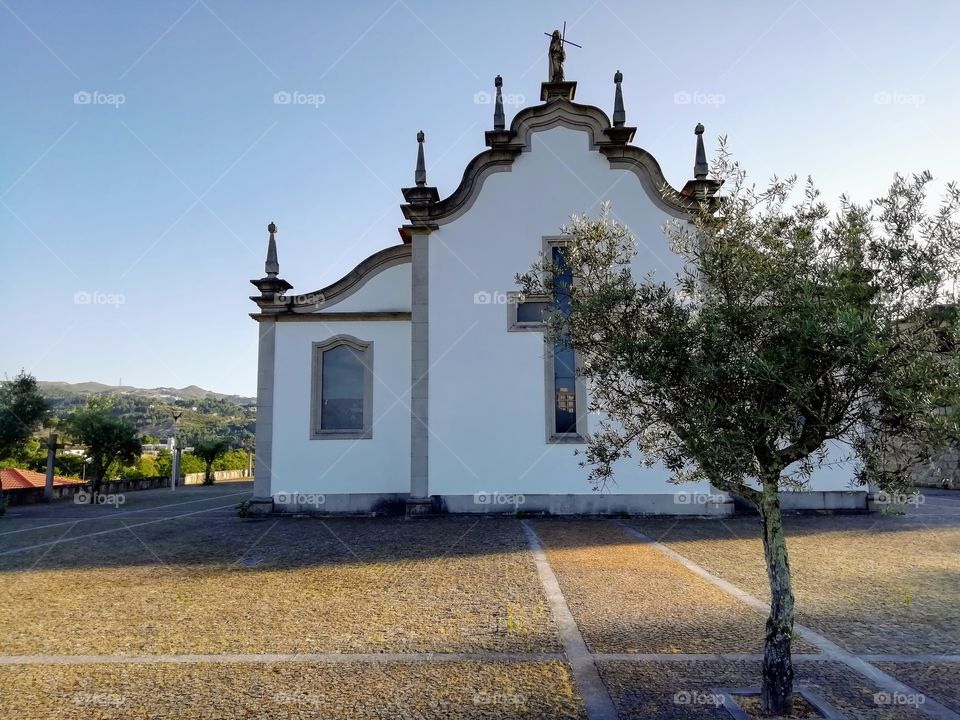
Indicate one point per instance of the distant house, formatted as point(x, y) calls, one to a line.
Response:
point(21, 486)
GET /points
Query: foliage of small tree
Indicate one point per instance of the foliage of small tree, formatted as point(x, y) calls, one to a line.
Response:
point(190, 464)
point(22, 411)
point(164, 462)
point(233, 460)
point(790, 331)
point(108, 440)
point(144, 467)
point(210, 450)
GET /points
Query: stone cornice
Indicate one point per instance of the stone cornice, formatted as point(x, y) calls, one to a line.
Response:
point(305, 305)
point(325, 317)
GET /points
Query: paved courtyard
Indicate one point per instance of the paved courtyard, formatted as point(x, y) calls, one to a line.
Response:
point(171, 606)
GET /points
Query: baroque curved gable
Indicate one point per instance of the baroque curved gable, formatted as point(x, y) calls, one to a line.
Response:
point(506, 146)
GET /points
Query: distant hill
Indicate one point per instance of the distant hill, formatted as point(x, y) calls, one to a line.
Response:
point(56, 389)
point(204, 413)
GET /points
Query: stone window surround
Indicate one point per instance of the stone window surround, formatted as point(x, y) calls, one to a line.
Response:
point(316, 388)
point(580, 385)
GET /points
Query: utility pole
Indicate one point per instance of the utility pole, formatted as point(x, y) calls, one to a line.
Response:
point(175, 470)
point(52, 447)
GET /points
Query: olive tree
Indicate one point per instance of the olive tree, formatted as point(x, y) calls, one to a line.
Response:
point(792, 334)
point(108, 440)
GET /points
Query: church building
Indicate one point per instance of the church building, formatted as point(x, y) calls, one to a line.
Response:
point(421, 382)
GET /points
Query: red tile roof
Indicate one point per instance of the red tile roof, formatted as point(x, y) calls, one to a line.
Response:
point(19, 479)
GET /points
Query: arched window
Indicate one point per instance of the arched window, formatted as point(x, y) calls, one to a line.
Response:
point(342, 389)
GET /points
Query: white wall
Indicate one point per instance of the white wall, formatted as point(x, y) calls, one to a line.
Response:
point(378, 464)
point(387, 291)
point(486, 394)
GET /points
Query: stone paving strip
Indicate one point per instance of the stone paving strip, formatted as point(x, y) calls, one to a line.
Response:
point(882, 680)
point(596, 699)
point(461, 690)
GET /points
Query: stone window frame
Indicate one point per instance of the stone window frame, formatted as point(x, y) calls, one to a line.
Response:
point(514, 298)
point(365, 348)
point(580, 384)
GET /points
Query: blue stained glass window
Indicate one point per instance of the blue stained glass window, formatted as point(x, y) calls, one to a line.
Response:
point(564, 370)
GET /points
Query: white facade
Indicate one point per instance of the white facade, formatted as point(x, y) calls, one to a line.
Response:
point(460, 403)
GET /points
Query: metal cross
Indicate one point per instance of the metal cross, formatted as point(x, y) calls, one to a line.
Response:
point(563, 36)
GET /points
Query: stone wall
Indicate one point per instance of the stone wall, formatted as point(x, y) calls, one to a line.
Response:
point(218, 475)
point(29, 496)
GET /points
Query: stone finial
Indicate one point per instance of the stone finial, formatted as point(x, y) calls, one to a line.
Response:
point(499, 121)
point(700, 167)
point(420, 176)
point(619, 114)
point(271, 286)
point(272, 265)
point(420, 193)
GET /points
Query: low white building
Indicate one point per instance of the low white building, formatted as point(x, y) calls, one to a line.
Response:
point(417, 382)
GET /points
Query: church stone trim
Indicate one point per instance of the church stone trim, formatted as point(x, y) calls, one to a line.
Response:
point(262, 501)
point(355, 279)
point(316, 388)
point(360, 315)
point(506, 146)
point(514, 298)
point(419, 501)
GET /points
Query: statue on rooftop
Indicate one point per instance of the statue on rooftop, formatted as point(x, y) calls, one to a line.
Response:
point(556, 56)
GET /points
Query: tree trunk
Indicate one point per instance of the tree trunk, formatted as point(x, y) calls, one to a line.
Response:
point(95, 480)
point(208, 474)
point(777, 685)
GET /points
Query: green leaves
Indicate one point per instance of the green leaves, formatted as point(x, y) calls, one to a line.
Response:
point(108, 439)
point(22, 411)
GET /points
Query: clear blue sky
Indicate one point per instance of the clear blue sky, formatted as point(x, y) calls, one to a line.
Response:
point(161, 202)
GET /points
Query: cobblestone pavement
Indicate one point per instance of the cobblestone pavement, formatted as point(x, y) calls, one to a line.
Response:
point(449, 617)
point(288, 691)
point(873, 584)
point(687, 690)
